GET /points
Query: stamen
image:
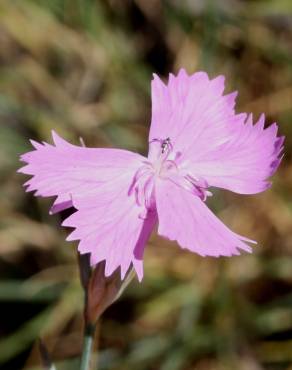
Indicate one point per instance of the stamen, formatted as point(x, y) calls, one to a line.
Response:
point(166, 144)
point(142, 186)
point(142, 171)
point(165, 164)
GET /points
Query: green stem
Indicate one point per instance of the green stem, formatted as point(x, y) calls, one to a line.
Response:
point(87, 346)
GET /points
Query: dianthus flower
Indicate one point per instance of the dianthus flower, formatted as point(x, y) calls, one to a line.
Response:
point(196, 142)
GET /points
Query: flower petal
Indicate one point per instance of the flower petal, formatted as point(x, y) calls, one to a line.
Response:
point(185, 218)
point(109, 226)
point(189, 110)
point(64, 170)
point(213, 142)
point(245, 162)
point(96, 182)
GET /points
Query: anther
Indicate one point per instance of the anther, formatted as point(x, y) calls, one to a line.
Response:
point(165, 145)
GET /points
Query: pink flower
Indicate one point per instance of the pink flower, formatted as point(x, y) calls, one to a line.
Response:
point(196, 141)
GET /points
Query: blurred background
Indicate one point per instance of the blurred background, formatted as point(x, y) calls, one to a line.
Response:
point(83, 67)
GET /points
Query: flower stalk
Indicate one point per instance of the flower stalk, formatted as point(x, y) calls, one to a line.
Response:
point(88, 340)
point(100, 292)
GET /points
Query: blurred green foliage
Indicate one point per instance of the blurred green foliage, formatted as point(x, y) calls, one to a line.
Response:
point(83, 67)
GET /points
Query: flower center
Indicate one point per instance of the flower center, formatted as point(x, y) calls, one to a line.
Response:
point(161, 157)
point(163, 163)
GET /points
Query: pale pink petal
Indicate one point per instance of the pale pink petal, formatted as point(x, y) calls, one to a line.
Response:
point(245, 162)
point(213, 142)
point(96, 182)
point(190, 109)
point(186, 219)
point(64, 170)
point(109, 226)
